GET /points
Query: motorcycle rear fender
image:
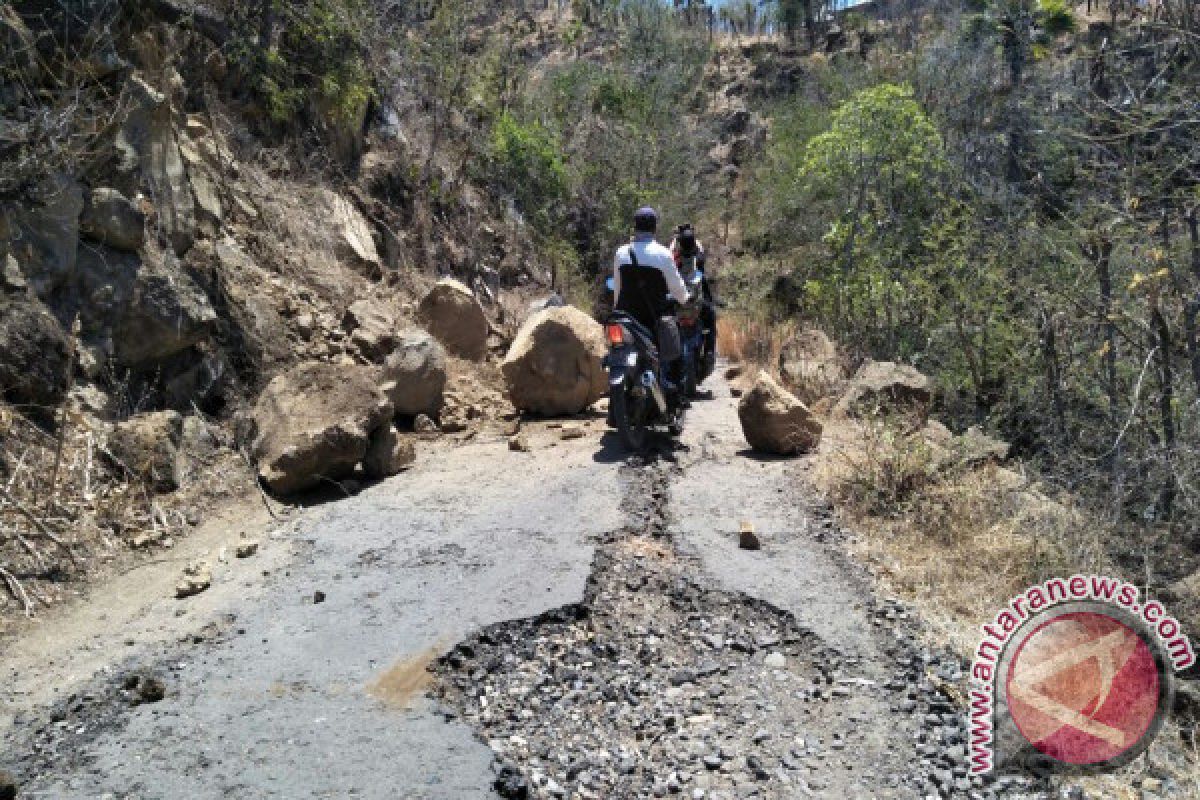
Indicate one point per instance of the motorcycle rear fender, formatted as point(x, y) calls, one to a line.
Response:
point(620, 362)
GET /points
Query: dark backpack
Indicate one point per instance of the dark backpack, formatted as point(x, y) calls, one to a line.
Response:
point(686, 239)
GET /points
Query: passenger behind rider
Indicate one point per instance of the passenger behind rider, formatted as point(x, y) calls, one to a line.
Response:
point(647, 301)
point(690, 256)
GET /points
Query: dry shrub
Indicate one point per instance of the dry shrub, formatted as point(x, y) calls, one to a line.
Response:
point(69, 506)
point(882, 475)
point(960, 541)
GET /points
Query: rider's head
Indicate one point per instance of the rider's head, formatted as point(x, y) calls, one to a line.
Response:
point(645, 220)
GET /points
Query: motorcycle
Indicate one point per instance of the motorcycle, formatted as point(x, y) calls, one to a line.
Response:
point(638, 398)
point(698, 362)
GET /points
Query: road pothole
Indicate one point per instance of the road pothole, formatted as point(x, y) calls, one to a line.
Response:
point(657, 685)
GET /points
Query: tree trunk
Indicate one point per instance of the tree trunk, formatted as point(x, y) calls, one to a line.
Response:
point(1166, 405)
point(1053, 373)
point(1101, 255)
point(1192, 309)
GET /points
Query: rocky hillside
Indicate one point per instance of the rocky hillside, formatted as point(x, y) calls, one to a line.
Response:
point(203, 202)
point(166, 251)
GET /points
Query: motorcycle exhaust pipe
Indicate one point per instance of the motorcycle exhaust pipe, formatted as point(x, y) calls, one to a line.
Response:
point(651, 383)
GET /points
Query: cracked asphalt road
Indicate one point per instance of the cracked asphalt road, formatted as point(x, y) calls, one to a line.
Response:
point(270, 694)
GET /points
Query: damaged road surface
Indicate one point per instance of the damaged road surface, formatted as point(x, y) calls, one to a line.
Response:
point(656, 684)
point(302, 699)
point(545, 624)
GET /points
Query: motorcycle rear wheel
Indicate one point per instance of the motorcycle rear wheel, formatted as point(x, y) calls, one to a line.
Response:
point(629, 413)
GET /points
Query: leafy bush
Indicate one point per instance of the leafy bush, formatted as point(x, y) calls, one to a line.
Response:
point(318, 63)
point(1056, 17)
point(528, 162)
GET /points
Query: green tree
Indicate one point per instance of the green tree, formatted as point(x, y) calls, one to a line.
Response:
point(877, 170)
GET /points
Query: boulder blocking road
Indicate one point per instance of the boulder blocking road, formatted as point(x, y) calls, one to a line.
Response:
point(554, 623)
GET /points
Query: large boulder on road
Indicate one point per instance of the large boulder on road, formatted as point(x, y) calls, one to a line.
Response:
point(775, 421)
point(452, 314)
point(148, 446)
point(414, 376)
point(315, 422)
point(554, 365)
point(883, 386)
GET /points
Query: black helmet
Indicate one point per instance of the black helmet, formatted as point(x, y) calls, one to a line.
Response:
point(645, 220)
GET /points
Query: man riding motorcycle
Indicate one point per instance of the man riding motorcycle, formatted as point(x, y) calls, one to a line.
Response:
point(689, 257)
point(644, 273)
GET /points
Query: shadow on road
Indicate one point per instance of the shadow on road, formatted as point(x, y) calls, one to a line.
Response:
point(659, 446)
point(766, 458)
point(612, 449)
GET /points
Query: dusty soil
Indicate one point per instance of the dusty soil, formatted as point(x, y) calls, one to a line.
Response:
point(626, 646)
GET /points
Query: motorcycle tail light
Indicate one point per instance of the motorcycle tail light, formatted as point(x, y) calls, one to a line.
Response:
point(616, 335)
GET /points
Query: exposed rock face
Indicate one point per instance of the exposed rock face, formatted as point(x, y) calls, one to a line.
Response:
point(203, 383)
point(388, 453)
point(886, 386)
point(810, 367)
point(372, 329)
point(414, 376)
point(113, 219)
point(352, 240)
point(210, 213)
point(168, 313)
point(775, 421)
point(315, 422)
point(257, 330)
point(45, 234)
point(147, 142)
point(148, 446)
point(452, 314)
point(554, 365)
point(11, 279)
point(33, 354)
point(105, 279)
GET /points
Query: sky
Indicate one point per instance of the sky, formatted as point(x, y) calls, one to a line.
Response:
point(838, 3)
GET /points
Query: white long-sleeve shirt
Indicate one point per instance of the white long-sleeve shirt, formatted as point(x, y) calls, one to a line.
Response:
point(650, 255)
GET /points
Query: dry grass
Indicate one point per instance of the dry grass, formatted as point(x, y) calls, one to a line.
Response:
point(751, 340)
point(957, 541)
